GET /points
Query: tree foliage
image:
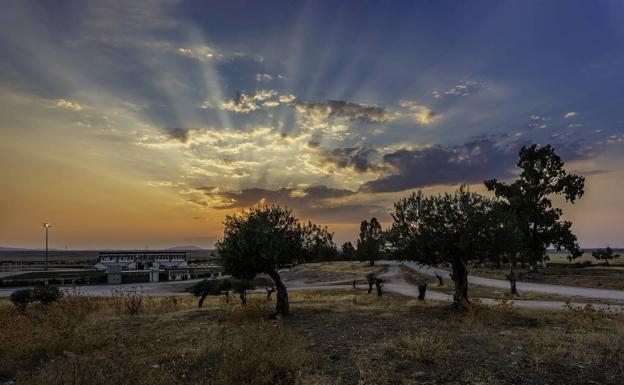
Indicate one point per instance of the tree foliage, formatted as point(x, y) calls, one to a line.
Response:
point(207, 287)
point(450, 228)
point(348, 251)
point(605, 255)
point(318, 243)
point(263, 240)
point(43, 294)
point(370, 241)
point(21, 298)
point(528, 200)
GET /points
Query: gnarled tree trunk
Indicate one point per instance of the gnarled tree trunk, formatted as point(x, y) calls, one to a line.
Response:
point(201, 300)
point(282, 306)
point(379, 285)
point(460, 278)
point(512, 283)
point(269, 292)
point(422, 291)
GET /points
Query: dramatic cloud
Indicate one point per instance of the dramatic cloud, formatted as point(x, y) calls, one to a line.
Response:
point(471, 162)
point(245, 103)
point(286, 196)
point(179, 134)
point(319, 203)
point(67, 105)
point(264, 77)
point(537, 121)
point(355, 158)
point(286, 98)
point(570, 114)
point(342, 109)
point(417, 112)
point(463, 88)
point(206, 54)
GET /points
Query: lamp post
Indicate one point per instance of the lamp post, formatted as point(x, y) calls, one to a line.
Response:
point(47, 226)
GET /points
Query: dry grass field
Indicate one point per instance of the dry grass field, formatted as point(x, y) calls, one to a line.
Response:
point(332, 337)
point(331, 271)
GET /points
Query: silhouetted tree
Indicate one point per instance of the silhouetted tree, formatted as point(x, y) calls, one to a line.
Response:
point(21, 298)
point(269, 291)
point(379, 283)
point(528, 200)
point(241, 286)
point(263, 240)
point(370, 279)
point(440, 279)
point(443, 228)
point(206, 287)
point(318, 243)
point(370, 241)
point(422, 291)
point(605, 255)
point(225, 287)
point(511, 277)
point(348, 251)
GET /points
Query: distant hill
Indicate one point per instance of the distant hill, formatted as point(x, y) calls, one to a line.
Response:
point(23, 249)
point(585, 250)
point(185, 248)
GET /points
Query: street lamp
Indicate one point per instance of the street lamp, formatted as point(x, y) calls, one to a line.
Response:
point(47, 226)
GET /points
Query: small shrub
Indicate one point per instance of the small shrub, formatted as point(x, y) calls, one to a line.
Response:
point(46, 294)
point(21, 299)
point(129, 302)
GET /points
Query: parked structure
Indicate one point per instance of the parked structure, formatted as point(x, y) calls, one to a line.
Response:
point(141, 260)
point(114, 275)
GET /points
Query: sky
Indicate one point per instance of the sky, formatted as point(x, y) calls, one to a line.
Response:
point(144, 123)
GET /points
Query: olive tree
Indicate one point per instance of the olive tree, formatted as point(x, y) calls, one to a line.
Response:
point(528, 200)
point(241, 286)
point(207, 287)
point(449, 228)
point(265, 239)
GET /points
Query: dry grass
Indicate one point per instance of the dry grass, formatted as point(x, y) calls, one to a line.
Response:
point(332, 271)
point(332, 337)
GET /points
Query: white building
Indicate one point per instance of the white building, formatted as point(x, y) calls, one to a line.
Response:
point(141, 260)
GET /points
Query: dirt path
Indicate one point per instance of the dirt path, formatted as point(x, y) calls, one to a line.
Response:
point(397, 284)
point(571, 291)
point(394, 282)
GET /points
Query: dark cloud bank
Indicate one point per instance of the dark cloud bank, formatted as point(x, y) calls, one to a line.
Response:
point(472, 162)
point(342, 109)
